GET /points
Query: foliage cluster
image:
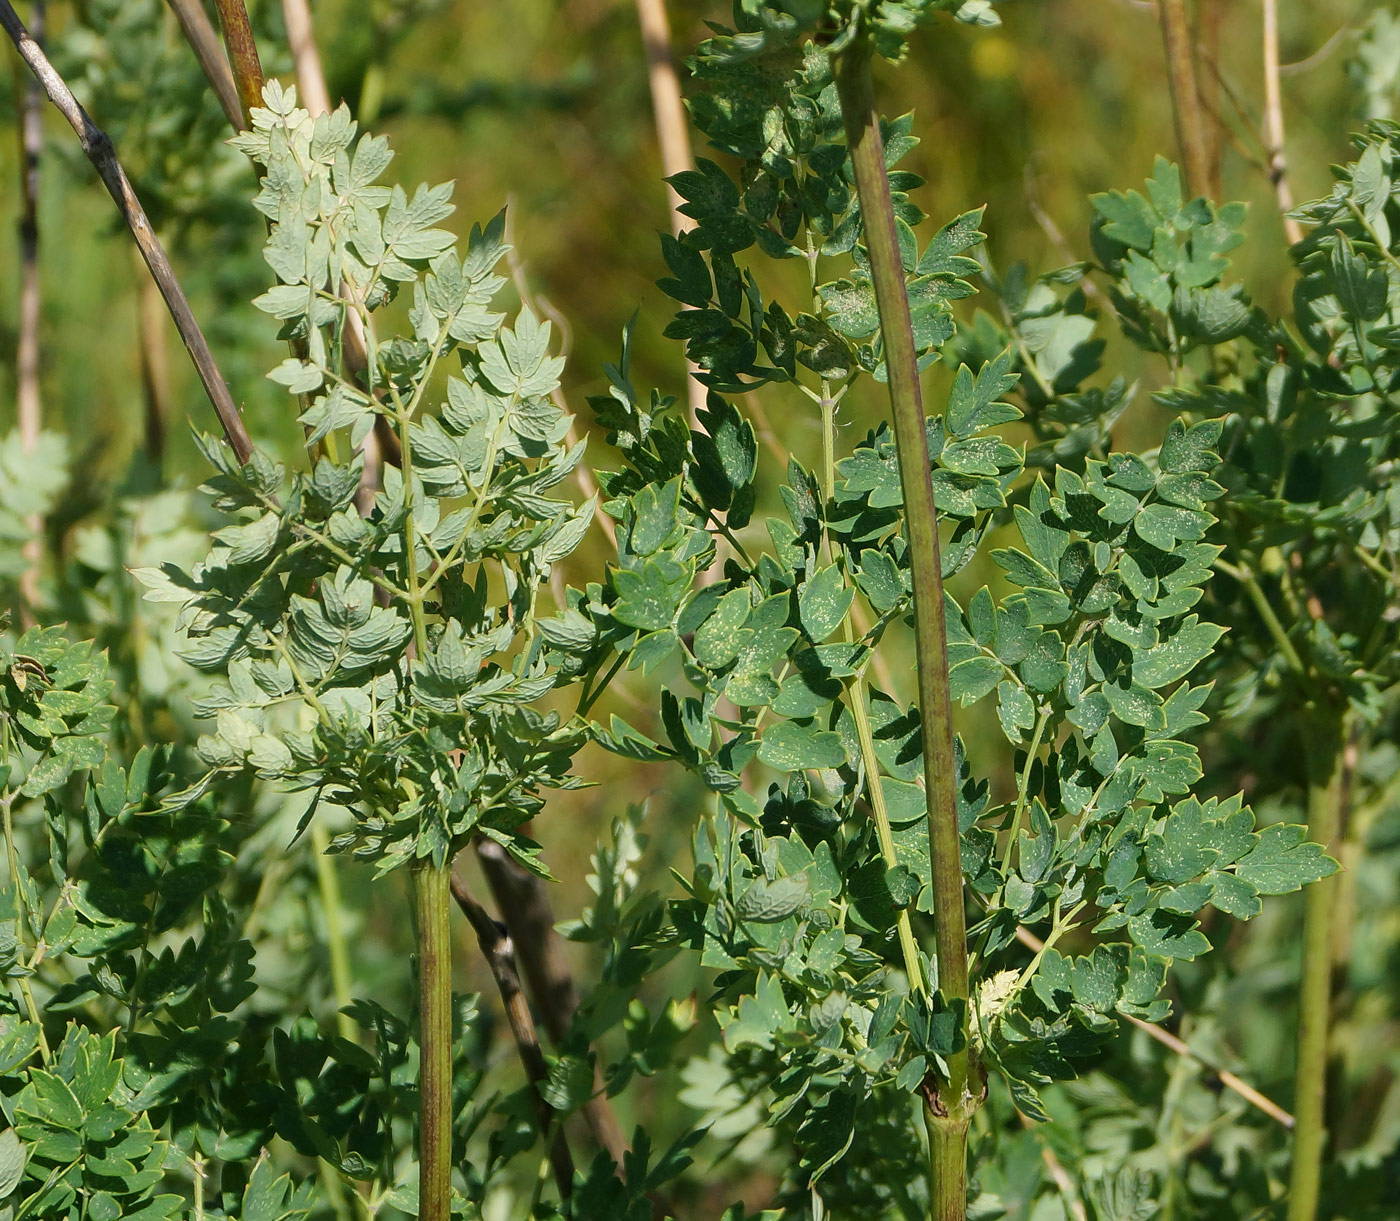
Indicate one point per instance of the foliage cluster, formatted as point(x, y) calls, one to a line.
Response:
point(399, 673)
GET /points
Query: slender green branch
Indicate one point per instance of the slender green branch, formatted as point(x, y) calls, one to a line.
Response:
point(332, 909)
point(855, 698)
point(951, 1104)
point(1246, 577)
point(1041, 721)
point(432, 886)
point(1327, 734)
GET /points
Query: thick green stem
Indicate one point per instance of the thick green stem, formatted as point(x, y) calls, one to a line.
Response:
point(433, 890)
point(947, 1148)
point(1326, 744)
point(953, 1099)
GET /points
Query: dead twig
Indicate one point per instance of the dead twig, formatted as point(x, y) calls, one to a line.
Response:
point(525, 906)
point(499, 952)
point(1208, 15)
point(1186, 99)
point(155, 367)
point(1273, 125)
point(97, 146)
point(204, 40)
point(672, 135)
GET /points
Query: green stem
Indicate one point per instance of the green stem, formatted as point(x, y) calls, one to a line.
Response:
point(947, 1147)
point(242, 54)
point(328, 883)
point(1246, 577)
point(855, 697)
point(432, 887)
point(1041, 721)
point(953, 1101)
point(1326, 744)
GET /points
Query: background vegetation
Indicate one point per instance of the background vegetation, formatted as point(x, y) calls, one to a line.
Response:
point(545, 106)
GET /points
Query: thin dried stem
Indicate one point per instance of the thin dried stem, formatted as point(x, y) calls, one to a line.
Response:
point(155, 368)
point(28, 404)
point(1186, 99)
point(1208, 15)
point(1168, 1040)
point(1273, 125)
point(301, 38)
point(667, 107)
point(529, 916)
point(498, 949)
point(98, 149)
point(672, 134)
point(204, 41)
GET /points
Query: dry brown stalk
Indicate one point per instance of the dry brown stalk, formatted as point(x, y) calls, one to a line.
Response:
point(1186, 99)
point(1273, 125)
point(672, 134)
point(204, 40)
point(528, 914)
point(97, 146)
point(499, 951)
point(155, 367)
point(242, 53)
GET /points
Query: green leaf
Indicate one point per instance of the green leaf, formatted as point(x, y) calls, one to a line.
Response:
point(823, 602)
point(1284, 860)
point(766, 902)
point(790, 747)
point(1177, 656)
point(12, 1161)
point(1168, 934)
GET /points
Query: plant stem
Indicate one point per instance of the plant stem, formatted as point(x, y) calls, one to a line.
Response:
point(951, 1104)
point(529, 919)
point(499, 952)
point(1273, 125)
point(204, 42)
point(155, 370)
point(672, 136)
point(1208, 16)
point(332, 910)
point(1325, 744)
point(1245, 576)
point(432, 887)
point(98, 149)
point(1186, 99)
point(947, 1140)
point(1041, 721)
point(242, 54)
point(856, 694)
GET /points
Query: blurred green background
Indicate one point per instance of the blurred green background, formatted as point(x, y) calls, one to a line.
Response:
point(545, 106)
